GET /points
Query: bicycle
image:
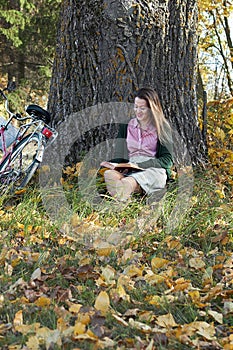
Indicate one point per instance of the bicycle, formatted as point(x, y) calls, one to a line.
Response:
point(23, 147)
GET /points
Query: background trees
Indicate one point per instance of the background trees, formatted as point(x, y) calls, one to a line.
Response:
point(216, 48)
point(28, 28)
point(27, 39)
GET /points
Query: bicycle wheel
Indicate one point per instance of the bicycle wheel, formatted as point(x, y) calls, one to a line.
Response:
point(18, 168)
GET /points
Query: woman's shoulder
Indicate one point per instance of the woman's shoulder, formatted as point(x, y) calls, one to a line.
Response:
point(122, 130)
point(133, 122)
point(123, 127)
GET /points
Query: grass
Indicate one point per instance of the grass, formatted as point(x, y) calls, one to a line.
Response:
point(197, 250)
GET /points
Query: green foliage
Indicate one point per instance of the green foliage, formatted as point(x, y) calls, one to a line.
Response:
point(28, 35)
point(15, 21)
point(220, 138)
point(14, 17)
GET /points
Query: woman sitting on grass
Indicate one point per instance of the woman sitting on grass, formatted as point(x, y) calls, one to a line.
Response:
point(145, 141)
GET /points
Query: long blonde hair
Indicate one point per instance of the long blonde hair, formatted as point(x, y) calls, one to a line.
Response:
point(158, 118)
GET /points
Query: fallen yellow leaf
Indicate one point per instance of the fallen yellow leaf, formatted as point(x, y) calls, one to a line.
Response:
point(75, 220)
point(122, 293)
point(157, 263)
point(43, 301)
point(103, 248)
point(49, 337)
point(36, 274)
point(16, 261)
point(154, 279)
point(120, 320)
point(207, 278)
point(155, 300)
point(166, 321)
point(219, 133)
point(216, 315)
point(181, 284)
point(18, 319)
point(196, 263)
point(102, 302)
point(75, 308)
point(175, 244)
point(228, 307)
point(14, 347)
point(205, 329)
point(220, 193)
point(106, 343)
point(84, 318)
point(79, 328)
point(61, 324)
point(108, 274)
point(20, 226)
point(23, 190)
point(133, 270)
point(140, 326)
point(26, 329)
point(119, 293)
point(85, 336)
point(3, 255)
point(195, 295)
point(33, 343)
point(196, 298)
point(128, 254)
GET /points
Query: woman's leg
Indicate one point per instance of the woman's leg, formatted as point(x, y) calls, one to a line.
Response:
point(128, 186)
point(111, 177)
point(120, 186)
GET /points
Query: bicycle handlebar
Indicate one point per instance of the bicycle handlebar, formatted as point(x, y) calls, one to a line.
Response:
point(2, 93)
point(6, 102)
point(19, 118)
point(11, 114)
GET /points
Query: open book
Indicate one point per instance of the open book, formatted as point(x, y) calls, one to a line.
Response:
point(121, 167)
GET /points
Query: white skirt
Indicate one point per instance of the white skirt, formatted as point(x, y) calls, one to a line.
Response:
point(151, 179)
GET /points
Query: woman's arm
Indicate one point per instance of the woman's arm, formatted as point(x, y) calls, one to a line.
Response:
point(163, 159)
point(121, 152)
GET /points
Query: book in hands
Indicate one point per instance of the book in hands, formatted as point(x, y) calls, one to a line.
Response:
point(122, 167)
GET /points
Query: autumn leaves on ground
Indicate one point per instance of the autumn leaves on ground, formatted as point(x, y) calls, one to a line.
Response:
point(139, 287)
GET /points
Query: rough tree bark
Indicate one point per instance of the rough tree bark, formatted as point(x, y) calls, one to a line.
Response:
point(108, 49)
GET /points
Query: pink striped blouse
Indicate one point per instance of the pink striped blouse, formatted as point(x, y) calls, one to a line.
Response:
point(141, 142)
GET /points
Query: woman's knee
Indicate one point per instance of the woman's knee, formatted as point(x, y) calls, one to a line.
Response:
point(131, 183)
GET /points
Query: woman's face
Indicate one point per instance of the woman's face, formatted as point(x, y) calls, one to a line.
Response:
point(142, 111)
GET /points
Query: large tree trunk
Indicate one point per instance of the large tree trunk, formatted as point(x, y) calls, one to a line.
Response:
point(108, 49)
